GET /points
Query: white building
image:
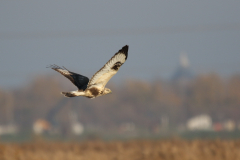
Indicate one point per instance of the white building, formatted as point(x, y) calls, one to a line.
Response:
point(200, 122)
point(8, 129)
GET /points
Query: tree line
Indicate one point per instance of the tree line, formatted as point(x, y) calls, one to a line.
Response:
point(140, 102)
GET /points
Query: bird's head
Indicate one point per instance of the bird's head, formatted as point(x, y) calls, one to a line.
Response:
point(107, 91)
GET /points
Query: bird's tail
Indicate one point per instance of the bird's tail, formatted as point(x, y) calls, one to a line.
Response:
point(69, 94)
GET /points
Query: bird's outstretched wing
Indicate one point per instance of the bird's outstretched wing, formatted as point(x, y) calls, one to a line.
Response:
point(78, 80)
point(101, 77)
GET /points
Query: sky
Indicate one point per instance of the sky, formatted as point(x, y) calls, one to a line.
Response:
point(84, 35)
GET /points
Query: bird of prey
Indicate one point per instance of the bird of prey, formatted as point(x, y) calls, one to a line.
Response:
point(94, 87)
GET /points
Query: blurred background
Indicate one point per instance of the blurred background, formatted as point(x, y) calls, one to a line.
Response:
point(181, 79)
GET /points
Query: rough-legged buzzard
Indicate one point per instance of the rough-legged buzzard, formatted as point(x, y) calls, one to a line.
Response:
point(96, 86)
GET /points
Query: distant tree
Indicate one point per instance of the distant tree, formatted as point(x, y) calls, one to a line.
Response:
point(140, 102)
point(233, 96)
point(206, 94)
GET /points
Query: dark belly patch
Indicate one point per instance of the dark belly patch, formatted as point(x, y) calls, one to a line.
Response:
point(116, 66)
point(94, 91)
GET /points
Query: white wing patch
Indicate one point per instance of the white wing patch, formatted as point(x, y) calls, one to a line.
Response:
point(101, 77)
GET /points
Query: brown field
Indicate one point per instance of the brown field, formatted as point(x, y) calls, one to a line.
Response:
point(124, 150)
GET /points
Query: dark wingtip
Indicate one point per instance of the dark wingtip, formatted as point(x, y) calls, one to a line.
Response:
point(124, 50)
point(49, 66)
point(53, 66)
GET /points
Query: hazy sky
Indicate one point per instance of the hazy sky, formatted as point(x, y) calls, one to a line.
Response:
point(84, 35)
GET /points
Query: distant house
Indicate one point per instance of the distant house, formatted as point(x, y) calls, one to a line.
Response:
point(8, 129)
point(229, 125)
point(201, 122)
point(40, 126)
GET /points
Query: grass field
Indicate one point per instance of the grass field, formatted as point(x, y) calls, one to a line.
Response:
point(123, 150)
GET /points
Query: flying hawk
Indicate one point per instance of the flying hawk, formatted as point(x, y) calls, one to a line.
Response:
point(96, 86)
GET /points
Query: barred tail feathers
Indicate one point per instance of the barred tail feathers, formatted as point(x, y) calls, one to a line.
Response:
point(72, 94)
point(68, 94)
